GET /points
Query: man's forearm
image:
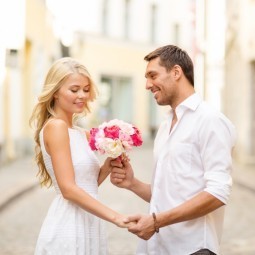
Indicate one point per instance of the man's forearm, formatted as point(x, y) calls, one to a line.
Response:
point(198, 206)
point(143, 190)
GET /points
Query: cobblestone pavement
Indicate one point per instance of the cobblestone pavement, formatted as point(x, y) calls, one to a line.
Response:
point(20, 221)
point(239, 231)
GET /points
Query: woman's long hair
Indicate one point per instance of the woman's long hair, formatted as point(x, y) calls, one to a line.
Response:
point(44, 109)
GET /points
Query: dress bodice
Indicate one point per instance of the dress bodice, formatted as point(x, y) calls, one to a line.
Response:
point(85, 163)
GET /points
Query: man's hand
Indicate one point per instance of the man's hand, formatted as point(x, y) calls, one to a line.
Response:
point(122, 174)
point(144, 227)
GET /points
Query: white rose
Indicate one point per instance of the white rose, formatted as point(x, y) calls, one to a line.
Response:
point(112, 147)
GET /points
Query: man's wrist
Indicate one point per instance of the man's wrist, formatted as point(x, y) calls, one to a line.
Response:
point(156, 225)
point(133, 185)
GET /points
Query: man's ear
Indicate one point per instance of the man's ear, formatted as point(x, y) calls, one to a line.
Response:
point(177, 71)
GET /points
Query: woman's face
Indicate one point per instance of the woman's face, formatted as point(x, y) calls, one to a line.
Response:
point(72, 96)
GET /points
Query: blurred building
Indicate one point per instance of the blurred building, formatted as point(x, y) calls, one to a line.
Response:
point(111, 37)
point(240, 74)
point(27, 47)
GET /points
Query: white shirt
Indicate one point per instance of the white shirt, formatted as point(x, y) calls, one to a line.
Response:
point(194, 157)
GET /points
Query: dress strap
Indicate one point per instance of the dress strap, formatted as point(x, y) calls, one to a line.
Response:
point(47, 122)
point(87, 134)
point(42, 136)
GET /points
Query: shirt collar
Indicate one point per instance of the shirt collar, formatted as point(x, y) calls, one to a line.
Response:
point(192, 102)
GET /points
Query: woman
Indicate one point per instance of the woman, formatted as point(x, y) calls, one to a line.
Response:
point(65, 160)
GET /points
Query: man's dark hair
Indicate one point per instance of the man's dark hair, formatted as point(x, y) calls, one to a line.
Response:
point(171, 55)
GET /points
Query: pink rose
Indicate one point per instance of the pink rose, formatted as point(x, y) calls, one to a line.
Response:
point(92, 139)
point(112, 132)
point(126, 140)
point(136, 137)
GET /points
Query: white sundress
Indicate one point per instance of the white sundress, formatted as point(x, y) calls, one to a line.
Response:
point(67, 228)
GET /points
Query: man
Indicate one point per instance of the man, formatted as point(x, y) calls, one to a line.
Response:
point(192, 152)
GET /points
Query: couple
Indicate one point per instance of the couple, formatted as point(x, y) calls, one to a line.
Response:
point(191, 179)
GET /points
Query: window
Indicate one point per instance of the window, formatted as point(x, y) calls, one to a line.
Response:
point(105, 17)
point(252, 107)
point(12, 58)
point(126, 18)
point(115, 98)
point(153, 23)
point(176, 34)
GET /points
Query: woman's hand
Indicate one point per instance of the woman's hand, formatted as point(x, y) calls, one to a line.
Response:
point(121, 221)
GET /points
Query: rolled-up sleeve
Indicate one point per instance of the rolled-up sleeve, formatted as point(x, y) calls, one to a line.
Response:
point(217, 139)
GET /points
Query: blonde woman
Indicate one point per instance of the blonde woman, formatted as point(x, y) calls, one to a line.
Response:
point(65, 160)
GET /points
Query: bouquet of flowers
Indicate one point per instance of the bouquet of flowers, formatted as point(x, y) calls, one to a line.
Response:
point(114, 138)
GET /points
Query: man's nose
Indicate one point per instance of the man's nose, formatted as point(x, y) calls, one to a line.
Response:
point(148, 84)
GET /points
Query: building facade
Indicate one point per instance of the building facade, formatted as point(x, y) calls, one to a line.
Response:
point(116, 37)
point(111, 37)
point(240, 75)
point(27, 48)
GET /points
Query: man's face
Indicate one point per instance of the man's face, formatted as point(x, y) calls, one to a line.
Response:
point(160, 82)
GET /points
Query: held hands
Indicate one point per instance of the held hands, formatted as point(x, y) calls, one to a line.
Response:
point(121, 221)
point(142, 225)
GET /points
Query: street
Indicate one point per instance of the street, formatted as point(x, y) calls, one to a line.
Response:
point(20, 221)
point(239, 233)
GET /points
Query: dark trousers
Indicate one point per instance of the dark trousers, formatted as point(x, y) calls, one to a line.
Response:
point(203, 252)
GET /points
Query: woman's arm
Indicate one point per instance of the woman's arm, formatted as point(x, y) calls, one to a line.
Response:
point(105, 170)
point(57, 144)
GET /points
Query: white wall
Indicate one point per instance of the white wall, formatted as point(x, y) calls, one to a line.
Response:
point(240, 53)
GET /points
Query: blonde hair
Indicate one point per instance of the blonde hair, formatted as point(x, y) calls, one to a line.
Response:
point(44, 109)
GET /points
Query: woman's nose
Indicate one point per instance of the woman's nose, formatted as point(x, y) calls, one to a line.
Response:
point(83, 94)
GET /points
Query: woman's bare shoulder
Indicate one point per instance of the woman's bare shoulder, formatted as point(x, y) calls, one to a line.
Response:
point(55, 128)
